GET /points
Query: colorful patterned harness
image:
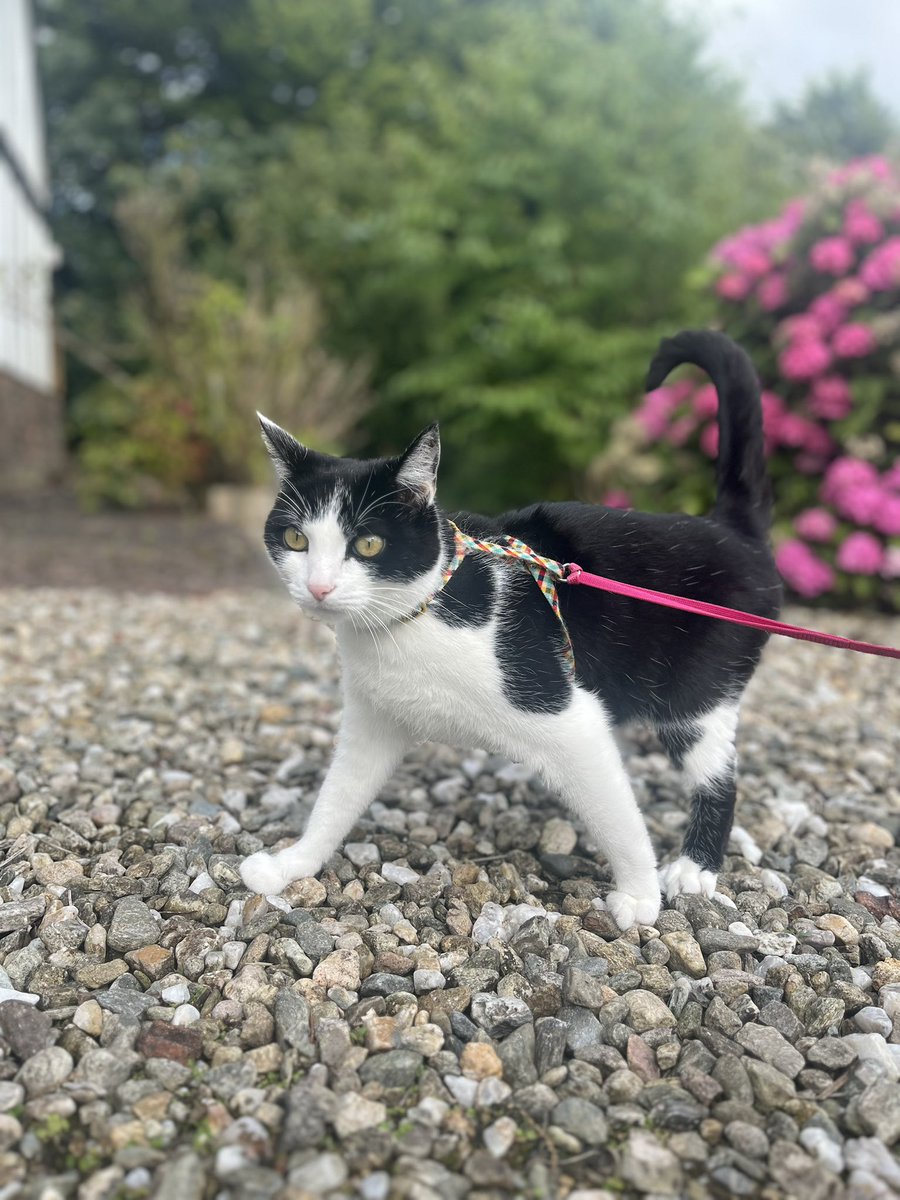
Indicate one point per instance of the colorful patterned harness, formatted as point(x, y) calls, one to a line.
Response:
point(547, 573)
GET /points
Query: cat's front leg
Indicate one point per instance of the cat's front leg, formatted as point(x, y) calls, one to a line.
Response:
point(368, 750)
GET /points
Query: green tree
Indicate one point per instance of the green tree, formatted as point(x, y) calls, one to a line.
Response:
point(499, 201)
point(838, 118)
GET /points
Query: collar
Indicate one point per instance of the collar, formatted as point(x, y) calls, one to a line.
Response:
point(547, 572)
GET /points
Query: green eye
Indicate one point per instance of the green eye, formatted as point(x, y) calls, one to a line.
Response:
point(295, 540)
point(369, 546)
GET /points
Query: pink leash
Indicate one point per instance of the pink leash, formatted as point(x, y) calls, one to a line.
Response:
point(575, 574)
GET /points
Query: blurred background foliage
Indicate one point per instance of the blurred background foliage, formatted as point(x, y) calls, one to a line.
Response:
point(360, 216)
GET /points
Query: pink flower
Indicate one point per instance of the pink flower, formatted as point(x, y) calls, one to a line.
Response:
point(816, 524)
point(832, 256)
point(709, 440)
point(860, 554)
point(803, 328)
point(881, 270)
point(860, 223)
point(853, 341)
point(734, 286)
point(850, 292)
point(886, 518)
point(804, 571)
point(891, 477)
point(772, 292)
point(860, 502)
point(831, 398)
point(828, 311)
point(846, 473)
point(655, 411)
point(890, 568)
point(804, 360)
point(706, 402)
point(616, 498)
point(752, 261)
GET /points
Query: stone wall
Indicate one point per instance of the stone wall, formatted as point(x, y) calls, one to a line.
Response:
point(32, 450)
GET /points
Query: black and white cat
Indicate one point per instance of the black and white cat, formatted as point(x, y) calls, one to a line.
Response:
point(363, 545)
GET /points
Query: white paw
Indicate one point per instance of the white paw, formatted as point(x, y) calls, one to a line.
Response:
point(264, 873)
point(684, 876)
point(628, 910)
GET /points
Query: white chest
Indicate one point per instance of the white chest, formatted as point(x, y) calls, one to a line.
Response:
point(442, 683)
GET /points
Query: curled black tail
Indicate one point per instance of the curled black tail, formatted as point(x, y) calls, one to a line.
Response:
point(744, 497)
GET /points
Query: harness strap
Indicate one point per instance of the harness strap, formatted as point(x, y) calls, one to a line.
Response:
point(547, 572)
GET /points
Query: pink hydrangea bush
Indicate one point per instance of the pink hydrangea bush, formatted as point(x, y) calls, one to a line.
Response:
point(814, 296)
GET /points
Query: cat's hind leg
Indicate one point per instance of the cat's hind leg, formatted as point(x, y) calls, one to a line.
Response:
point(704, 749)
point(368, 750)
point(577, 754)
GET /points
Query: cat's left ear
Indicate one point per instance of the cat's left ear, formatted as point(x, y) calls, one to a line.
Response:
point(419, 464)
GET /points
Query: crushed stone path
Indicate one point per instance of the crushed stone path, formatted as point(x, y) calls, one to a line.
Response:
point(448, 1011)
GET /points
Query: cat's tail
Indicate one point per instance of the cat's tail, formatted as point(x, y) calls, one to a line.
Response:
point(743, 496)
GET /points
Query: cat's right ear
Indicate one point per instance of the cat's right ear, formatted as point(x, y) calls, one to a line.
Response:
point(287, 454)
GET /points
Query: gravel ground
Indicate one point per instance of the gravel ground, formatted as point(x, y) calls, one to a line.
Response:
point(448, 1011)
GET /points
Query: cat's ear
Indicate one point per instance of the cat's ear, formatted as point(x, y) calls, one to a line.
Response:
point(418, 467)
point(287, 454)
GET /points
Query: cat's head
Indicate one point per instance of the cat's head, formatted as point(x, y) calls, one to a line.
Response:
point(355, 540)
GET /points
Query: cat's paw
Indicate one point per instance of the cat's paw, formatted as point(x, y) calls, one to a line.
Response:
point(264, 873)
point(685, 877)
point(628, 910)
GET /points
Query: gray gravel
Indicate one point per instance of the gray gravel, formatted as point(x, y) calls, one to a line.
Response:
point(449, 1010)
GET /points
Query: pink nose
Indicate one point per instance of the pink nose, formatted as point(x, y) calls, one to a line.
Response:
point(321, 590)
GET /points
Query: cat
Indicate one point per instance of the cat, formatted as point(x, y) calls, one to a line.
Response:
point(480, 661)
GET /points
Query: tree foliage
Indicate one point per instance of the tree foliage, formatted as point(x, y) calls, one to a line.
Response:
point(499, 202)
point(837, 118)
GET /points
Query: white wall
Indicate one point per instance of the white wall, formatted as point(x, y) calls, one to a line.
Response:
point(27, 252)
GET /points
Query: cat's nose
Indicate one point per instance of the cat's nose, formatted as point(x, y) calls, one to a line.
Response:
point(321, 590)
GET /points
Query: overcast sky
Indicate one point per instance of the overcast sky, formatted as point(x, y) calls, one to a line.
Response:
point(777, 46)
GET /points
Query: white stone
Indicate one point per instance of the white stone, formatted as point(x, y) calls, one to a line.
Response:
point(773, 943)
point(871, 1155)
point(375, 1186)
point(865, 884)
point(499, 1137)
point(873, 1020)
point(362, 854)
point(230, 1159)
point(13, 994)
point(431, 1110)
point(397, 873)
point(201, 883)
point(871, 1047)
point(185, 1014)
point(178, 993)
point(889, 999)
point(427, 981)
point(828, 1152)
point(461, 1089)
point(492, 1091)
point(232, 953)
point(862, 978)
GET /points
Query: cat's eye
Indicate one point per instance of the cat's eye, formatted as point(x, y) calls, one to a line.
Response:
point(369, 546)
point(294, 539)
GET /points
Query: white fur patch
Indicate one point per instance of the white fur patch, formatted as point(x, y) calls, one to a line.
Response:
point(713, 754)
